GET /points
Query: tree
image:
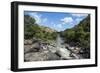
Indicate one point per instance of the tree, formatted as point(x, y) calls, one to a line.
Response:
point(31, 29)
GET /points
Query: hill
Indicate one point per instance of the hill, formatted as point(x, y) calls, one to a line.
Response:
point(31, 29)
point(79, 36)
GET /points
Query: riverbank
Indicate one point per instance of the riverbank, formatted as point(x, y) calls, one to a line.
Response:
point(38, 50)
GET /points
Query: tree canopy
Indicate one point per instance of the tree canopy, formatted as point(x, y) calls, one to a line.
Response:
point(31, 29)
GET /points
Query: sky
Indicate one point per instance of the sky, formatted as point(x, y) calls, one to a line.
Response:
point(57, 20)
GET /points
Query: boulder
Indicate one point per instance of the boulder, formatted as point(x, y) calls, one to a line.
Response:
point(52, 56)
point(37, 56)
point(40, 56)
point(32, 48)
point(28, 42)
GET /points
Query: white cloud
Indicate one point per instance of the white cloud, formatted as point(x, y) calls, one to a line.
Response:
point(79, 15)
point(59, 26)
point(44, 20)
point(67, 20)
point(56, 26)
point(38, 18)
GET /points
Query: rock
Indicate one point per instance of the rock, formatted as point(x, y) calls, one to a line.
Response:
point(32, 48)
point(81, 52)
point(52, 49)
point(76, 56)
point(27, 48)
point(40, 56)
point(44, 47)
point(35, 45)
point(72, 48)
point(37, 56)
point(76, 50)
point(34, 40)
point(28, 42)
point(64, 53)
point(52, 56)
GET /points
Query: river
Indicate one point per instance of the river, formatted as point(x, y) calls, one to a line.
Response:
point(61, 49)
point(65, 53)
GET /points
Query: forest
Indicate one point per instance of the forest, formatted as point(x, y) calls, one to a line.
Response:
point(34, 30)
point(79, 35)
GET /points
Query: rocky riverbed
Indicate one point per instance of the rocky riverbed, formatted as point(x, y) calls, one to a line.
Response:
point(38, 50)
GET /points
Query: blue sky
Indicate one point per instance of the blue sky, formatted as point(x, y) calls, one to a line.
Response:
point(56, 20)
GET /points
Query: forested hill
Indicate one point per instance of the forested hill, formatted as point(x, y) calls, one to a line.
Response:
point(79, 35)
point(33, 30)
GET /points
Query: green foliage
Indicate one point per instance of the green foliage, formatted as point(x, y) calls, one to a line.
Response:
point(70, 34)
point(31, 29)
point(29, 20)
point(80, 34)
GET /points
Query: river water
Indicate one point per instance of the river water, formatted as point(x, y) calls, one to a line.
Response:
point(64, 52)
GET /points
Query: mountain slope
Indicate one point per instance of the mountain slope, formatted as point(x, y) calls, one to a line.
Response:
point(31, 29)
point(79, 36)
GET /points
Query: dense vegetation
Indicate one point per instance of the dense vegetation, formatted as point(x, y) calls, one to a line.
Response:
point(33, 30)
point(79, 36)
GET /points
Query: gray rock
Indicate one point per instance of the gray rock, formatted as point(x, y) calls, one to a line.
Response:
point(32, 48)
point(37, 56)
point(27, 48)
point(40, 56)
point(28, 42)
point(52, 56)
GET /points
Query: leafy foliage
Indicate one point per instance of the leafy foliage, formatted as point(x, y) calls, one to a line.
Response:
point(79, 35)
point(31, 29)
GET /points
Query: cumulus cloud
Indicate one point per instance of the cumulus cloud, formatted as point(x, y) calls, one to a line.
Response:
point(44, 20)
point(79, 15)
point(77, 18)
point(59, 25)
point(38, 17)
point(67, 20)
